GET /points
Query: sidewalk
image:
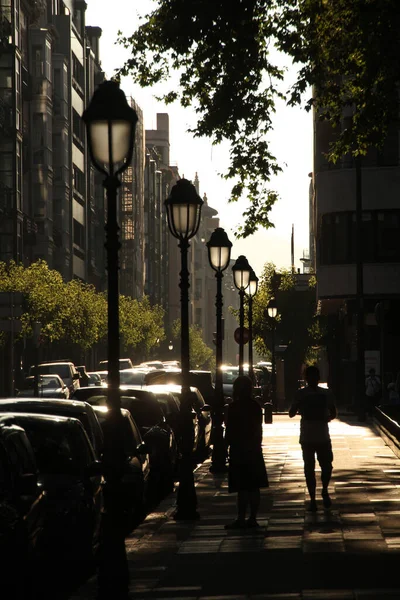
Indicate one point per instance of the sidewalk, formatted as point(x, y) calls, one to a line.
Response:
point(350, 552)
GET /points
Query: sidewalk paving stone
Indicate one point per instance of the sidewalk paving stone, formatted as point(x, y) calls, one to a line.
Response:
point(350, 552)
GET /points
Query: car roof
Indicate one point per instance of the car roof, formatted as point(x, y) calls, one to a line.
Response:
point(57, 362)
point(47, 375)
point(73, 405)
point(37, 417)
point(167, 387)
point(104, 409)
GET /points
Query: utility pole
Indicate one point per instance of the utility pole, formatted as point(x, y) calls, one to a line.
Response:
point(360, 365)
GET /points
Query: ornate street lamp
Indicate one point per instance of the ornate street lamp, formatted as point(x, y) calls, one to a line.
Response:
point(272, 310)
point(251, 292)
point(183, 213)
point(219, 254)
point(110, 125)
point(241, 278)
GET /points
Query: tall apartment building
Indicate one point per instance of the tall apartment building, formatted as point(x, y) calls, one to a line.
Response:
point(132, 217)
point(203, 282)
point(51, 200)
point(162, 257)
point(335, 230)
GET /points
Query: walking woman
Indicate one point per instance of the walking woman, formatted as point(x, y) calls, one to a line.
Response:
point(247, 472)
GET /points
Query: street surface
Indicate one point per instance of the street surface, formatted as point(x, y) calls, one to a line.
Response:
point(351, 552)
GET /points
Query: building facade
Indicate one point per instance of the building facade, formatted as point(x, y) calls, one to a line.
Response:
point(335, 230)
point(50, 197)
point(132, 217)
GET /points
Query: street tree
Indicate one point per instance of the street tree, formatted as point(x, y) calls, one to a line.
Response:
point(297, 325)
point(201, 355)
point(43, 290)
point(346, 52)
point(141, 326)
point(85, 314)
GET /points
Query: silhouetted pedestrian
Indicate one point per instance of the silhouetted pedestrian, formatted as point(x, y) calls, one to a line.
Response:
point(247, 472)
point(317, 407)
point(372, 390)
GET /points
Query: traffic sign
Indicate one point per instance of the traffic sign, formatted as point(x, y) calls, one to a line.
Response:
point(246, 336)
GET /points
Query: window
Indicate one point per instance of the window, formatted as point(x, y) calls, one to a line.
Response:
point(387, 236)
point(380, 242)
point(78, 178)
point(79, 235)
point(198, 316)
point(198, 289)
point(77, 127)
point(127, 228)
point(78, 73)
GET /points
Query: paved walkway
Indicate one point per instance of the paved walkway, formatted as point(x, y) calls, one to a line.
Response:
point(350, 552)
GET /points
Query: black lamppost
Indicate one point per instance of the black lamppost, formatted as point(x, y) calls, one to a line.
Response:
point(183, 212)
point(272, 313)
point(241, 277)
point(110, 124)
point(219, 254)
point(251, 292)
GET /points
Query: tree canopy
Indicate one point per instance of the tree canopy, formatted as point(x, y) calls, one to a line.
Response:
point(346, 52)
point(297, 327)
point(201, 355)
point(74, 313)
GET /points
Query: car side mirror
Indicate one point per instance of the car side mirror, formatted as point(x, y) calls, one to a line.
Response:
point(206, 408)
point(142, 449)
point(95, 469)
point(27, 484)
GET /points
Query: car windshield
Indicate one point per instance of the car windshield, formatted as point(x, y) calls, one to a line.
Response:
point(146, 414)
point(62, 370)
point(59, 448)
point(127, 431)
point(132, 377)
point(168, 404)
point(229, 375)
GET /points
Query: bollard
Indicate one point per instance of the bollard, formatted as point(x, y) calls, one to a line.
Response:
point(268, 412)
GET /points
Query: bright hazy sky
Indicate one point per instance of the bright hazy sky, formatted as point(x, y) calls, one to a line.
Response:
point(291, 142)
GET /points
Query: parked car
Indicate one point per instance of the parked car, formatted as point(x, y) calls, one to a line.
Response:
point(155, 431)
point(133, 376)
point(202, 380)
point(152, 364)
point(94, 378)
point(83, 376)
point(103, 377)
point(71, 477)
point(133, 493)
point(49, 386)
point(66, 370)
point(203, 412)
point(23, 507)
point(124, 363)
point(231, 372)
point(63, 408)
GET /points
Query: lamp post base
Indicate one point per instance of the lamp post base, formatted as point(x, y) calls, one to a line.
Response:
point(186, 499)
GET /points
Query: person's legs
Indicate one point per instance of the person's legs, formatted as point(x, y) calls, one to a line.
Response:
point(242, 502)
point(309, 472)
point(325, 459)
point(254, 501)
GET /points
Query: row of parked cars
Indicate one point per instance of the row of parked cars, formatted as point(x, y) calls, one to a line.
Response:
point(52, 481)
